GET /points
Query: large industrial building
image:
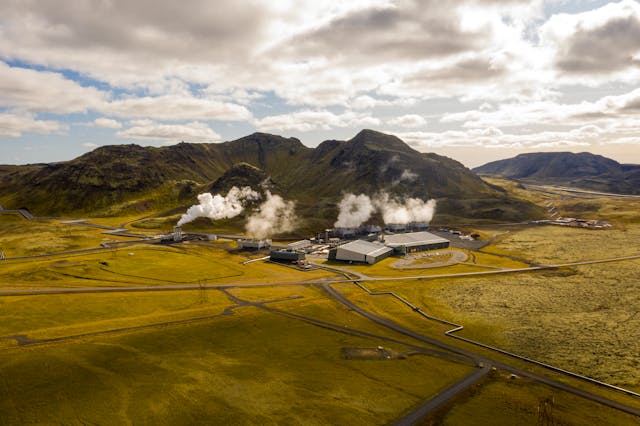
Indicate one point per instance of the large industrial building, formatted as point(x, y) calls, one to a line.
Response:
point(415, 241)
point(360, 251)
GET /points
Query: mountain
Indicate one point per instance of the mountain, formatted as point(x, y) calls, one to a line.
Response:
point(315, 177)
point(583, 170)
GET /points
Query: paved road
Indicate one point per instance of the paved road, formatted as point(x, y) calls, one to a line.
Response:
point(443, 397)
point(361, 277)
point(478, 358)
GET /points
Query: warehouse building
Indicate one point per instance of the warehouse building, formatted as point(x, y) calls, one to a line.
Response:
point(415, 241)
point(286, 256)
point(360, 251)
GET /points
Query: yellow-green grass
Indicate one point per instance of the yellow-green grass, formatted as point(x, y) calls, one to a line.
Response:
point(559, 244)
point(52, 316)
point(252, 367)
point(313, 302)
point(584, 319)
point(504, 401)
point(21, 237)
point(146, 264)
point(390, 307)
point(384, 269)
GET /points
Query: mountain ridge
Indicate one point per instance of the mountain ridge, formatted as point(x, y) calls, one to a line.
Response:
point(582, 170)
point(316, 178)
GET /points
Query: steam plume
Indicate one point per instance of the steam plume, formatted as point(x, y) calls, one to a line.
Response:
point(218, 207)
point(354, 210)
point(357, 209)
point(273, 216)
point(406, 211)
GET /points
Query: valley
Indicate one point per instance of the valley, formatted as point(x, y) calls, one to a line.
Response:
point(196, 322)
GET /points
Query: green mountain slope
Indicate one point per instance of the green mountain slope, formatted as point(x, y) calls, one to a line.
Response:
point(583, 170)
point(315, 178)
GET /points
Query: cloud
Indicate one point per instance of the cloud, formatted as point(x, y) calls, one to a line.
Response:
point(306, 121)
point(176, 107)
point(408, 120)
point(90, 145)
point(15, 125)
point(147, 129)
point(43, 91)
point(598, 42)
point(106, 123)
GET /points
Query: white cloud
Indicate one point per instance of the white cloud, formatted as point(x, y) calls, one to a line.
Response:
point(106, 123)
point(90, 145)
point(15, 125)
point(306, 121)
point(408, 121)
point(146, 129)
point(43, 91)
point(596, 44)
point(176, 107)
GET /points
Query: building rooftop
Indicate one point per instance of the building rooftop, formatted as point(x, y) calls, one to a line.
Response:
point(413, 239)
point(365, 248)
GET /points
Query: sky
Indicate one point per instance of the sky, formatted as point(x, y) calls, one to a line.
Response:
point(476, 80)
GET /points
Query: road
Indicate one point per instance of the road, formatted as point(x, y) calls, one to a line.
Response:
point(443, 397)
point(344, 271)
point(478, 358)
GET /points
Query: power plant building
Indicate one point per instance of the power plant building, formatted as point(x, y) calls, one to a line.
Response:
point(415, 241)
point(361, 251)
point(286, 256)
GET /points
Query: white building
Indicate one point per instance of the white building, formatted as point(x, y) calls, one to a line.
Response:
point(361, 251)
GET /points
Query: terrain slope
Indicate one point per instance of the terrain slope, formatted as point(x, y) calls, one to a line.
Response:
point(583, 170)
point(316, 178)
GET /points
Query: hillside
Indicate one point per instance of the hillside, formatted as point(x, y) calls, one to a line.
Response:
point(315, 178)
point(583, 170)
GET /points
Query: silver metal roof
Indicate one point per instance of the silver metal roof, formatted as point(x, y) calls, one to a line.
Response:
point(365, 248)
point(413, 239)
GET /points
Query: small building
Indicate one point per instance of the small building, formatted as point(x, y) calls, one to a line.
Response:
point(286, 256)
point(299, 245)
point(415, 241)
point(419, 226)
point(361, 251)
point(253, 244)
point(346, 232)
point(396, 227)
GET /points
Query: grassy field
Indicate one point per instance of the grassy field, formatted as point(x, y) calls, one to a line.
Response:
point(584, 319)
point(476, 262)
point(53, 316)
point(20, 237)
point(147, 265)
point(249, 368)
point(503, 401)
point(558, 244)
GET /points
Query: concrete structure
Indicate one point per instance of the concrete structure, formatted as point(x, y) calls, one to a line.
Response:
point(415, 241)
point(286, 256)
point(361, 251)
point(419, 226)
point(396, 227)
point(299, 245)
point(346, 232)
point(253, 244)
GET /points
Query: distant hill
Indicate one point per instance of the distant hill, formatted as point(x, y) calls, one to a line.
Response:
point(583, 170)
point(315, 178)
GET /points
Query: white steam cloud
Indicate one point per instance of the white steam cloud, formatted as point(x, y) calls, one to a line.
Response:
point(218, 207)
point(357, 209)
point(275, 215)
point(406, 211)
point(354, 210)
